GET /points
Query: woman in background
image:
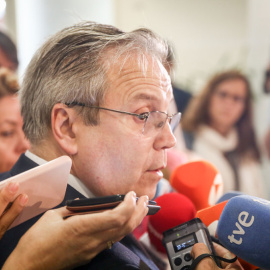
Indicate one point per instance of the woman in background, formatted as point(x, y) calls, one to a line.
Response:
point(12, 139)
point(220, 121)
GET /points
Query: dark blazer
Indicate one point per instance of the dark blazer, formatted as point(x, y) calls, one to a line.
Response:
point(181, 98)
point(127, 254)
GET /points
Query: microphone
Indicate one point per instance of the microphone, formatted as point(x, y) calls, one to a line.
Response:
point(175, 209)
point(198, 180)
point(228, 195)
point(210, 216)
point(243, 229)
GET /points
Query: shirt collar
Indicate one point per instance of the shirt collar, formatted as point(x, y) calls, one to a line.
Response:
point(73, 181)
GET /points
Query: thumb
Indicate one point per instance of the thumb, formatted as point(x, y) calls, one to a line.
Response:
point(206, 263)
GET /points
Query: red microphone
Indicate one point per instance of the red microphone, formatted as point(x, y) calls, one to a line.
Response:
point(200, 181)
point(175, 209)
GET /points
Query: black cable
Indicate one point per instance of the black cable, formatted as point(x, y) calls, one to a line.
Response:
point(202, 256)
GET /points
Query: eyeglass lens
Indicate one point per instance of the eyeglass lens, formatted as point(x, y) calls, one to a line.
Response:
point(157, 120)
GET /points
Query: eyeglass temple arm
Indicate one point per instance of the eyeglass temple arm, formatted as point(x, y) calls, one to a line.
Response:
point(140, 116)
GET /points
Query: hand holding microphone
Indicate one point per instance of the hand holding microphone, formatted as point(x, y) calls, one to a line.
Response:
point(210, 217)
point(244, 229)
point(208, 263)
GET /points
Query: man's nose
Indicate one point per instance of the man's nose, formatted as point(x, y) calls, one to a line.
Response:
point(165, 138)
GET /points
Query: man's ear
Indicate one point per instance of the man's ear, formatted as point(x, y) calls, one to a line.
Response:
point(63, 120)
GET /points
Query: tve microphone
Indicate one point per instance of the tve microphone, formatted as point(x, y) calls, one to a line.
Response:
point(244, 229)
point(200, 181)
point(210, 217)
point(175, 210)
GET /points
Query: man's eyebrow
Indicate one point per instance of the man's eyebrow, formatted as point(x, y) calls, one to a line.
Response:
point(144, 96)
point(11, 122)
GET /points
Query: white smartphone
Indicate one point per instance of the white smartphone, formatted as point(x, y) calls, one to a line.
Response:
point(45, 186)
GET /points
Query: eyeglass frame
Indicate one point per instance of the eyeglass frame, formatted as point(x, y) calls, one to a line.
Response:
point(143, 116)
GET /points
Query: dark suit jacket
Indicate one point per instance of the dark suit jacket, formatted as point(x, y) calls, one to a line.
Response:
point(181, 98)
point(127, 254)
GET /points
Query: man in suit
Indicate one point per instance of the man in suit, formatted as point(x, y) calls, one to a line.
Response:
point(100, 96)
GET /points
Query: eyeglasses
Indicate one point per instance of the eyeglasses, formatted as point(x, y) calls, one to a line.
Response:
point(152, 122)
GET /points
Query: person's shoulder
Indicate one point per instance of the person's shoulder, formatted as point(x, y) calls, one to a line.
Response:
point(4, 175)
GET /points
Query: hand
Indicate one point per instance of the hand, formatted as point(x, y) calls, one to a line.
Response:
point(58, 243)
point(8, 195)
point(208, 263)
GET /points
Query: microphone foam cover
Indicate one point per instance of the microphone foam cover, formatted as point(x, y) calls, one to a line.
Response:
point(175, 210)
point(200, 181)
point(228, 195)
point(243, 228)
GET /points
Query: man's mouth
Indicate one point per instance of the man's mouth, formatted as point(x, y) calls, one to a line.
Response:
point(157, 171)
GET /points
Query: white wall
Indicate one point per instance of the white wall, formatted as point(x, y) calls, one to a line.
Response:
point(37, 19)
point(207, 34)
point(258, 59)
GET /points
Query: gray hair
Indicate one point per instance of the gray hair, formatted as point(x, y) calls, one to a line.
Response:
point(72, 66)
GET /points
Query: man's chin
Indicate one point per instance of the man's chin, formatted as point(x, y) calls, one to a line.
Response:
point(151, 192)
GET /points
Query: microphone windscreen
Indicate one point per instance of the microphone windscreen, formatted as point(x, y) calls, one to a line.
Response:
point(200, 181)
point(210, 216)
point(244, 229)
point(175, 210)
point(228, 195)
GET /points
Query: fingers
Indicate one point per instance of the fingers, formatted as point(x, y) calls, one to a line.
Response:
point(206, 263)
point(9, 216)
point(137, 213)
point(223, 252)
point(89, 233)
point(7, 195)
point(8, 211)
point(130, 212)
point(111, 224)
point(126, 216)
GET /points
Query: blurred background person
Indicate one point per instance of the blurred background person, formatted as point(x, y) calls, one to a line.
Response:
point(8, 52)
point(12, 140)
point(266, 88)
point(219, 120)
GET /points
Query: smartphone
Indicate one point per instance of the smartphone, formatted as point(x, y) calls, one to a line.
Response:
point(99, 204)
point(45, 186)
